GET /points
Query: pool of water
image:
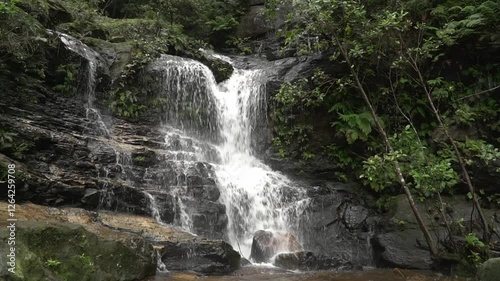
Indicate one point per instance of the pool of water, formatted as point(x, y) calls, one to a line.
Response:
point(253, 273)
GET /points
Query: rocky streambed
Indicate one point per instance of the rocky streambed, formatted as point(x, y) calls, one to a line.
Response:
point(265, 274)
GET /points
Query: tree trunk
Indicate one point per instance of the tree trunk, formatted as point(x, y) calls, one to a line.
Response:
point(486, 229)
point(430, 243)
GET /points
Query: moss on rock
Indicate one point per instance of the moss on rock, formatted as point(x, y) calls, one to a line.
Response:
point(490, 270)
point(65, 251)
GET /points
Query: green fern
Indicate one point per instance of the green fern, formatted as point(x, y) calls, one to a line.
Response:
point(355, 126)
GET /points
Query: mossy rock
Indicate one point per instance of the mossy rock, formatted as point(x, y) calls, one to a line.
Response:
point(222, 70)
point(64, 251)
point(490, 270)
point(118, 55)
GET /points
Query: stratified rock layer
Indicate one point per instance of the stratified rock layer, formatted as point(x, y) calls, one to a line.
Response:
point(58, 243)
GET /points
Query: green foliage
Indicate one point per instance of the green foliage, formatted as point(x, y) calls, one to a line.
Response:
point(22, 60)
point(69, 72)
point(86, 260)
point(209, 20)
point(221, 23)
point(10, 146)
point(479, 150)
point(242, 44)
point(428, 173)
point(6, 139)
point(292, 105)
point(473, 253)
point(399, 50)
point(124, 103)
point(354, 126)
point(8, 7)
point(52, 263)
point(140, 158)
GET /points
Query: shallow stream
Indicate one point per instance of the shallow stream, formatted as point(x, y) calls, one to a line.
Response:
point(255, 273)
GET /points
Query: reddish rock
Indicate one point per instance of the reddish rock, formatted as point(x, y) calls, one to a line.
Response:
point(267, 244)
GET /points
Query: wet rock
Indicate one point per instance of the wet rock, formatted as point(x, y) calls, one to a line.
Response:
point(266, 244)
point(306, 261)
point(209, 218)
point(489, 270)
point(144, 158)
point(332, 225)
point(200, 256)
point(208, 192)
point(244, 262)
point(53, 251)
point(200, 174)
point(354, 216)
point(221, 69)
point(393, 250)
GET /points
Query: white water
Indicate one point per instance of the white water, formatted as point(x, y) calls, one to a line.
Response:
point(252, 192)
point(255, 196)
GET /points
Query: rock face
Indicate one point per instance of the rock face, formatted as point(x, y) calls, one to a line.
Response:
point(307, 261)
point(55, 251)
point(266, 244)
point(77, 155)
point(89, 246)
point(490, 270)
point(339, 222)
point(399, 241)
point(254, 23)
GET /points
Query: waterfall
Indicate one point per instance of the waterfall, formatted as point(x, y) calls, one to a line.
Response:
point(188, 87)
point(88, 82)
point(208, 131)
point(97, 127)
point(255, 196)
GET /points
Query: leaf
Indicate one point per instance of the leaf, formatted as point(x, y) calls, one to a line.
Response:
point(469, 195)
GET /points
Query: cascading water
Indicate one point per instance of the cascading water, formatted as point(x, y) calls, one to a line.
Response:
point(96, 124)
point(208, 142)
point(89, 82)
point(255, 196)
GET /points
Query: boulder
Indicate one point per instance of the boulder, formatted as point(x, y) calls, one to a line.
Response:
point(399, 249)
point(201, 256)
point(306, 261)
point(266, 244)
point(489, 270)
